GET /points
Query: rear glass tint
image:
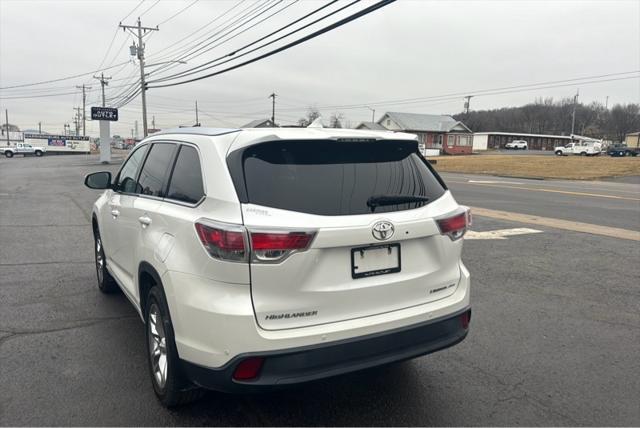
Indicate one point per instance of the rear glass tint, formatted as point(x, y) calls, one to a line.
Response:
point(334, 177)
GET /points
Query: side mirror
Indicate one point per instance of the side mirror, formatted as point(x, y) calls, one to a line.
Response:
point(98, 180)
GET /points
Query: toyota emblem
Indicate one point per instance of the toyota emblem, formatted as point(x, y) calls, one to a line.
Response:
point(382, 230)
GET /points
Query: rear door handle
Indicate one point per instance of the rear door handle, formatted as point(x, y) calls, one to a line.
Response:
point(144, 221)
point(115, 212)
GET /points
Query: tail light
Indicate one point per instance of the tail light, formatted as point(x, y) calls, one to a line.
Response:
point(232, 242)
point(465, 319)
point(224, 241)
point(248, 369)
point(455, 226)
point(275, 246)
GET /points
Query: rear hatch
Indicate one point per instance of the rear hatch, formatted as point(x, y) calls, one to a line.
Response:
point(342, 229)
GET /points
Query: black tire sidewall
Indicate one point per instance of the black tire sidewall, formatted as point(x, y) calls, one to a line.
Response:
point(8, 154)
point(169, 395)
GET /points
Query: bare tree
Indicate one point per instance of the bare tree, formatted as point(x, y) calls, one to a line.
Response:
point(336, 119)
point(625, 118)
point(312, 114)
point(546, 116)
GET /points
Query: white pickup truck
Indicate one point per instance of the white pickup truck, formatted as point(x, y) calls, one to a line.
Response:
point(583, 148)
point(24, 149)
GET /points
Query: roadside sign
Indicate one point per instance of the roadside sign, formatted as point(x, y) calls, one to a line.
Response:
point(104, 113)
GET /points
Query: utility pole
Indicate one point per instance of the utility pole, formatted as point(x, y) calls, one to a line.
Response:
point(573, 116)
point(136, 128)
point(606, 103)
point(103, 82)
point(467, 103)
point(39, 127)
point(373, 114)
point(6, 121)
point(142, 31)
point(273, 107)
point(84, 112)
point(153, 122)
point(77, 120)
point(197, 122)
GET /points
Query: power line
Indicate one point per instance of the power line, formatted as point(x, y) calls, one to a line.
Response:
point(178, 12)
point(233, 53)
point(148, 9)
point(530, 86)
point(62, 78)
point(194, 32)
point(313, 35)
point(132, 10)
point(239, 22)
point(192, 56)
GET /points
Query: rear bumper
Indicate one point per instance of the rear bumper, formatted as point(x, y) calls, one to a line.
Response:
point(314, 362)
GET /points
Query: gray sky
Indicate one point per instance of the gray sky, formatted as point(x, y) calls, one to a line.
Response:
point(406, 50)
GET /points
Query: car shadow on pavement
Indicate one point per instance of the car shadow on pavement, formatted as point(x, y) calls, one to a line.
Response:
point(386, 395)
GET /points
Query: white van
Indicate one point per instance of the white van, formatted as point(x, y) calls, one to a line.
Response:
point(582, 148)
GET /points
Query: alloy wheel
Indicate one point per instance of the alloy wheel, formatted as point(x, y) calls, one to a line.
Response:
point(157, 345)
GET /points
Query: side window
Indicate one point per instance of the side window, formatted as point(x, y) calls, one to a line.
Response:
point(155, 172)
point(186, 181)
point(127, 177)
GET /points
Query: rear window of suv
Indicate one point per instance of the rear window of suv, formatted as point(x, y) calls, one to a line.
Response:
point(334, 177)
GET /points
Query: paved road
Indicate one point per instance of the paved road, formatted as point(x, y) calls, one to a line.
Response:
point(554, 337)
point(608, 203)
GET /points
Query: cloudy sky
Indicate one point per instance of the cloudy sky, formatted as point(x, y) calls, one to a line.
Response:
point(432, 51)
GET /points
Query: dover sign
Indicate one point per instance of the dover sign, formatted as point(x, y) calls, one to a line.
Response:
point(104, 113)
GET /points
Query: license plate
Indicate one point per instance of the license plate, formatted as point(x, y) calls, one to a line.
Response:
point(375, 260)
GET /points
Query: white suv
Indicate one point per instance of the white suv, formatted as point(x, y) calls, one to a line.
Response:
point(269, 257)
point(517, 144)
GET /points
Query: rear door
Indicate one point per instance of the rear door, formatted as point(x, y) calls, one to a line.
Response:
point(350, 249)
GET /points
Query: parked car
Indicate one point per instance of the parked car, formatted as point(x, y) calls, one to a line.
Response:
point(618, 150)
point(582, 148)
point(517, 144)
point(270, 257)
point(23, 149)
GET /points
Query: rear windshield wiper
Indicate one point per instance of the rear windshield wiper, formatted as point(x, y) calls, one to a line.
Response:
point(380, 200)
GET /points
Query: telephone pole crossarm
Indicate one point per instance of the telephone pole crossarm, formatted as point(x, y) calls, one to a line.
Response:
point(140, 33)
point(104, 81)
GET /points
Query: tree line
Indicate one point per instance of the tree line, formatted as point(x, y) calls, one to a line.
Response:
point(546, 116)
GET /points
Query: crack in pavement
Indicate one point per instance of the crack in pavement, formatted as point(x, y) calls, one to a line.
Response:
point(83, 323)
point(517, 392)
point(87, 215)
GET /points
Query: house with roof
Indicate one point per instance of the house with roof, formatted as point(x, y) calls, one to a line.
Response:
point(440, 132)
point(372, 126)
point(259, 123)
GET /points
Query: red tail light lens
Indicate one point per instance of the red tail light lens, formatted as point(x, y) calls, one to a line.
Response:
point(456, 226)
point(248, 369)
point(465, 319)
point(271, 246)
point(224, 242)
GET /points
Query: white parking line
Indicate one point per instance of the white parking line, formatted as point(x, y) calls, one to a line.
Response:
point(500, 234)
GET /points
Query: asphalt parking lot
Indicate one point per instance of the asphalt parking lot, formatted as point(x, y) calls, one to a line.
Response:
point(555, 335)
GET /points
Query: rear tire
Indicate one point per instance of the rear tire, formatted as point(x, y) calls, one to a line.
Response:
point(583, 154)
point(558, 153)
point(38, 153)
point(106, 283)
point(8, 154)
point(169, 382)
